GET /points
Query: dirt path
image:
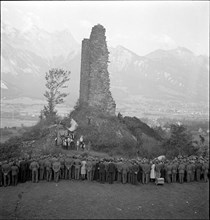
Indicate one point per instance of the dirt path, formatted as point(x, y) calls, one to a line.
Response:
point(82, 199)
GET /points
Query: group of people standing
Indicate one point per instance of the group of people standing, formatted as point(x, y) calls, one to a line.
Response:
point(68, 142)
point(133, 171)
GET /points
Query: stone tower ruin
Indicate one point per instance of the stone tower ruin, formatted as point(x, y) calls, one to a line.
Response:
point(94, 76)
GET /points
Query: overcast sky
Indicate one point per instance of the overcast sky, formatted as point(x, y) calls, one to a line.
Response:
point(137, 25)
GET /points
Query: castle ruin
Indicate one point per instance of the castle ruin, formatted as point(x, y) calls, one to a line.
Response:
point(94, 76)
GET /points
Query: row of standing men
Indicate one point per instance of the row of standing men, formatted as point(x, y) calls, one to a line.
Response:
point(103, 170)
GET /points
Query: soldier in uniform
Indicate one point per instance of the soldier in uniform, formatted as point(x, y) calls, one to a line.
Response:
point(62, 170)
point(129, 164)
point(41, 169)
point(168, 172)
point(101, 172)
point(73, 167)
point(111, 170)
point(205, 168)
point(139, 175)
point(119, 171)
point(193, 171)
point(135, 170)
point(15, 171)
point(77, 164)
point(34, 167)
point(106, 163)
point(143, 172)
point(147, 171)
point(189, 171)
point(83, 168)
point(174, 171)
point(6, 168)
point(89, 170)
point(157, 169)
point(56, 168)
point(48, 168)
point(23, 170)
point(124, 172)
point(96, 173)
point(68, 165)
point(198, 167)
point(181, 169)
point(27, 168)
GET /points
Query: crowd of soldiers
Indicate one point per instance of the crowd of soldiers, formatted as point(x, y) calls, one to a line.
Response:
point(121, 170)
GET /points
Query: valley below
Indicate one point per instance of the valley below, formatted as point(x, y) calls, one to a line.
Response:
point(26, 111)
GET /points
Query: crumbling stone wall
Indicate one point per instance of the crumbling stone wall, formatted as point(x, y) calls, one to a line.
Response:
point(94, 81)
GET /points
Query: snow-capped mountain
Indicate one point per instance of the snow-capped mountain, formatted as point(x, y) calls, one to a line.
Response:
point(27, 56)
point(161, 75)
point(172, 74)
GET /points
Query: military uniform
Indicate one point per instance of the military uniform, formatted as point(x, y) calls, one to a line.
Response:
point(198, 167)
point(106, 163)
point(6, 168)
point(56, 168)
point(101, 172)
point(96, 173)
point(168, 172)
point(119, 172)
point(157, 170)
point(111, 170)
point(15, 171)
point(73, 169)
point(124, 172)
point(147, 171)
point(34, 166)
point(48, 168)
point(143, 173)
point(129, 178)
point(193, 171)
point(205, 169)
point(181, 169)
point(135, 170)
point(41, 169)
point(189, 172)
point(28, 170)
point(174, 171)
point(23, 171)
point(89, 170)
point(62, 170)
point(68, 165)
point(77, 164)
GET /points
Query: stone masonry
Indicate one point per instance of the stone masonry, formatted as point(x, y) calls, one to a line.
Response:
point(94, 76)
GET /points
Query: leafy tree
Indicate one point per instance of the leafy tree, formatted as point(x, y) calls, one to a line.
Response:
point(56, 79)
point(180, 142)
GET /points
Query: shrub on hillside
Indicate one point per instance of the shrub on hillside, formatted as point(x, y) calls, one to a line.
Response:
point(10, 148)
point(180, 142)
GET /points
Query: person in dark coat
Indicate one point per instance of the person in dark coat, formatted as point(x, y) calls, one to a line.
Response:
point(6, 169)
point(101, 172)
point(135, 170)
point(48, 168)
point(111, 170)
point(23, 171)
point(15, 171)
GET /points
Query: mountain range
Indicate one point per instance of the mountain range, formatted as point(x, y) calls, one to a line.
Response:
point(176, 75)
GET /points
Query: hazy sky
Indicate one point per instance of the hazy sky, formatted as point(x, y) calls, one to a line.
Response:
point(141, 26)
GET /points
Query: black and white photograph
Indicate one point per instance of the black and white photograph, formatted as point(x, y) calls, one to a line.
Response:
point(104, 110)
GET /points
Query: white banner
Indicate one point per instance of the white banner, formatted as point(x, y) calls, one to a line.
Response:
point(74, 125)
